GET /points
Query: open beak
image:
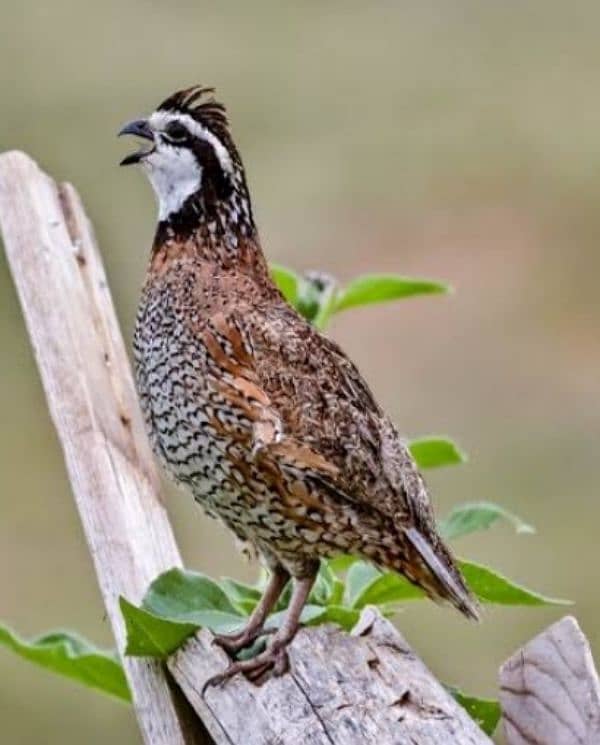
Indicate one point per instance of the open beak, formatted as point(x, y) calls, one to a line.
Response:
point(139, 128)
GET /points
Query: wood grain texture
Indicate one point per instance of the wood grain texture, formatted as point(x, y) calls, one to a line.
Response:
point(549, 690)
point(367, 688)
point(78, 346)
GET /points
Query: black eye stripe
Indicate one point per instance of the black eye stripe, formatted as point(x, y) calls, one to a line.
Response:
point(176, 132)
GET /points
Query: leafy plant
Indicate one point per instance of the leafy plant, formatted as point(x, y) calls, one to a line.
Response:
point(470, 517)
point(485, 711)
point(317, 296)
point(157, 629)
point(70, 655)
point(434, 452)
point(179, 602)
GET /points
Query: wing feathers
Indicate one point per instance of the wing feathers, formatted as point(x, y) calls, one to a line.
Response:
point(446, 585)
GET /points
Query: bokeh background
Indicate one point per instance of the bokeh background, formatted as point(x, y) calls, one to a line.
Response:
point(458, 141)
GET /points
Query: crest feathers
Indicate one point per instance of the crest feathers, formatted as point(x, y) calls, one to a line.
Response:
point(199, 103)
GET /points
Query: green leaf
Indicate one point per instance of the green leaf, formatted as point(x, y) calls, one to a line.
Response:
point(347, 618)
point(149, 635)
point(366, 585)
point(485, 711)
point(69, 655)
point(176, 604)
point(473, 516)
point(287, 281)
point(188, 596)
point(385, 589)
point(492, 587)
point(433, 452)
point(324, 585)
point(311, 614)
point(244, 597)
point(378, 288)
point(360, 575)
point(342, 563)
point(337, 592)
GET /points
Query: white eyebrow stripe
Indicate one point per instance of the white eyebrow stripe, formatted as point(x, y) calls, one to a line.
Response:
point(160, 119)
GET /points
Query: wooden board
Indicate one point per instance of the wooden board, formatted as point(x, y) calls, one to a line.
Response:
point(549, 690)
point(365, 689)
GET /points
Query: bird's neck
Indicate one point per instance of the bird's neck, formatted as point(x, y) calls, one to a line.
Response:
point(219, 231)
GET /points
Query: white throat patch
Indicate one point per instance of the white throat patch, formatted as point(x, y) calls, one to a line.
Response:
point(174, 171)
point(174, 174)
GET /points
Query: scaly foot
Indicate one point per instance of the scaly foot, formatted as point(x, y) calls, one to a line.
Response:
point(273, 662)
point(233, 643)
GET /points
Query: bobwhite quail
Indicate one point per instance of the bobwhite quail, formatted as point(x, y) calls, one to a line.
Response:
point(264, 419)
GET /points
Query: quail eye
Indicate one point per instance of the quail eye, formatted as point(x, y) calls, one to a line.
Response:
point(176, 132)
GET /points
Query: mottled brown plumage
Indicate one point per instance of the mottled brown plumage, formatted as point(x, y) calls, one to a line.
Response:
point(264, 419)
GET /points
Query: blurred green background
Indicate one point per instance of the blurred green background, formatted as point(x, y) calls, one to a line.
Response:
point(459, 141)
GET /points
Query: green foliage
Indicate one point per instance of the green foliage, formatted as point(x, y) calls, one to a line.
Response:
point(178, 602)
point(473, 516)
point(380, 288)
point(383, 588)
point(176, 605)
point(157, 628)
point(69, 655)
point(288, 282)
point(434, 452)
point(485, 711)
point(149, 635)
point(317, 296)
point(367, 585)
point(243, 597)
point(191, 597)
point(360, 575)
point(491, 587)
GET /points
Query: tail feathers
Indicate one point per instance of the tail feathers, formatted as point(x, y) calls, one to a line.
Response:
point(442, 580)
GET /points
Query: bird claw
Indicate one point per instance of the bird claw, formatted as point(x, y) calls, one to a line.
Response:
point(273, 662)
point(234, 643)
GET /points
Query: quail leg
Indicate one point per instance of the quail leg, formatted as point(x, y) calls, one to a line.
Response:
point(233, 643)
point(274, 660)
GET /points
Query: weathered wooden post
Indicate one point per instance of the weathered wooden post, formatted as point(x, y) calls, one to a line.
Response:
point(78, 346)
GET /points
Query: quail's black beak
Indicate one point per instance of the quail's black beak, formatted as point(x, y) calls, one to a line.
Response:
point(139, 128)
